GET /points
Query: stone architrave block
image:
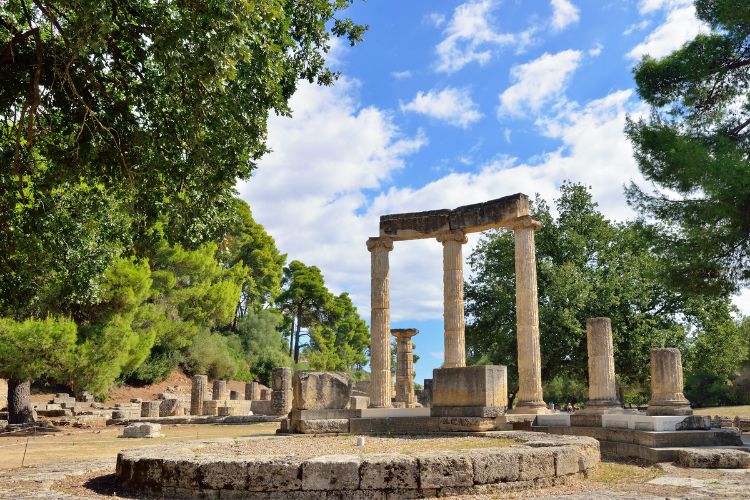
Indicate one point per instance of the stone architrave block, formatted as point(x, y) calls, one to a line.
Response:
point(331, 472)
point(481, 386)
point(440, 470)
point(321, 390)
point(143, 430)
point(389, 471)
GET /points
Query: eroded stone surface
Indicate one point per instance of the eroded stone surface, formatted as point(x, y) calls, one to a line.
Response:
point(321, 390)
point(437, 470)
point(332, 472)
point(714, 458)
point(389, 471)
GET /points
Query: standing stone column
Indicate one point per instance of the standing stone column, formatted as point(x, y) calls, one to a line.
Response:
point(380, 322)
point(198, 394)
point(602, 387)
point(667, 384)
point(220, 390)
point(405, 366)
point(249, 391)
point(453, 298)
point(281, 397)
point(529, 398)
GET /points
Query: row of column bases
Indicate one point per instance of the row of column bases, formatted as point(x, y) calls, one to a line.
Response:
point(530, 399)
point(666, 364)
point(280, 394)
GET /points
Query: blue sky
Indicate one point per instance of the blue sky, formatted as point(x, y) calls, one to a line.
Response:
point(447, 103)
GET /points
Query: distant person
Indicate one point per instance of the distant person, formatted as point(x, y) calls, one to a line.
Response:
point(569, 409)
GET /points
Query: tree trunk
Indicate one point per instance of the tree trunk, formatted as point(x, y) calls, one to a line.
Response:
point(291, 337)
point(19, 402)
point(296, 335)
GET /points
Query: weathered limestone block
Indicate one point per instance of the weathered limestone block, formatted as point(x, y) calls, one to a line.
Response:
point(714, 459)
point(210, 407)
point(467, 424)
point(481, 386)
point(222, 476)
point(226, 411)
point(171, 408)
point(389, 471)
point(494, 465)
point(694, 423)
point(274, 474)
point(144, 430)
point(535, 464)
point(667, 384)
point(566, 461)
point(119, 415)
point(282, 395)
point(331, 472)
point(358, 403)
point(321, 426)
point(261, 407)
point(321, 390)
point(439, 470)
point(602, 387)
point(219, 392)
point(425, 397)
point(150, 409)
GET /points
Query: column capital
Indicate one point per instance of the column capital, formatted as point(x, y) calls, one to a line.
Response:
point(525, 221)
point(379, 241)
point(453, 235)
point(404, 333)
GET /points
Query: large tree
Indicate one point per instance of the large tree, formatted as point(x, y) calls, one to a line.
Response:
point(695, 148)
point(156, 108)
point(587, 267)
point(305, 299)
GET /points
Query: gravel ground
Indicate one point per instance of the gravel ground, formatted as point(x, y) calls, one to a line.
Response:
point(310, 446)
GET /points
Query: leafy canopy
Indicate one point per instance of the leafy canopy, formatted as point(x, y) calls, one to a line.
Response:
point(696, 148)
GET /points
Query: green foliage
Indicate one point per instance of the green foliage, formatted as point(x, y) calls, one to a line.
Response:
point(587, 267)
point(562, 390)
point(36, 349)
point(217, 356)
point(262, 342)
point(305, 299)
point(165, 102)
point(250, 245)
point(696, 148)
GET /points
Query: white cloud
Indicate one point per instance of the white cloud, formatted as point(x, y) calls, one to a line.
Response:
point(637, 27)
point(564, 13)
point(596, 50)
point(648, 6)
point(470, 37)
point(539, 81)
point(452, 105)
point(680, 26)
point(435, 19)
point(401, 75)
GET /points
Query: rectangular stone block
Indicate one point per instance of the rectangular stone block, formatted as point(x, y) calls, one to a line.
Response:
point(478, 386)
point(492, 467)
point(489, 214)
point(331, 472)
point(315, 390)
point(326, 426)
point(359, 402)
point(562, 419)
point(323, 414)
point(274, 474)
point(388, 472)
point(566, 461)
point(535, 464)
point(467, 424)
point(394, 425)
point(261, 407)
point(441, 470)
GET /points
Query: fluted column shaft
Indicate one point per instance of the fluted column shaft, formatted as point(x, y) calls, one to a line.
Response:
point(530, 397)
point(453, 298)
point(405, 366)
point(602, 385)
point(198, 394)
point(667, 384)
point(380, 322)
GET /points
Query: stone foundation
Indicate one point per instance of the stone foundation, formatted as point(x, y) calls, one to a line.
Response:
point(179, 472)
point(472, 391)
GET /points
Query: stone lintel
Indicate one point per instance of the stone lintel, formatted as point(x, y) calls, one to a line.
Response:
point(496, 213)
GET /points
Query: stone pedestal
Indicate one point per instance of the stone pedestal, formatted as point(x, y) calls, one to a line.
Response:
point(530, 397)
point(453, 298)
point(469, 391)
point(380, 322)
point(150, 409)
point(249, 391)
point(667, 384)
point(219, 390)
point(405, 366)
point(281, 395)
point(254, 391)
point(602, 386)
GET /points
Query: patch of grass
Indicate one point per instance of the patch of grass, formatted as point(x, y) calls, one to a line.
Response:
point(725, 411)
point(619, 473)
